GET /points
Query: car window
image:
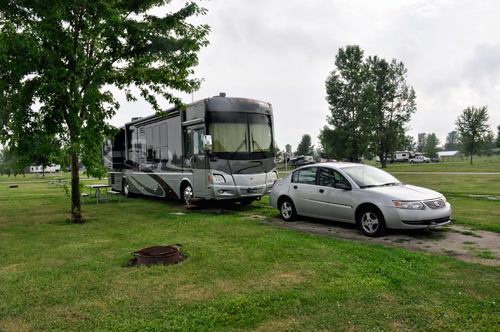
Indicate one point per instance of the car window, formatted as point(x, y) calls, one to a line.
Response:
point(328, 177)
point(307, 175)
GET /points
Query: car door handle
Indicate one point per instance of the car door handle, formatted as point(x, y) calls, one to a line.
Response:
point(294, 187)
point(321, 191)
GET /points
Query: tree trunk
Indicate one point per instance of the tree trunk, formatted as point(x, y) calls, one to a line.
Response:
point(383, 160)
point(76, 212)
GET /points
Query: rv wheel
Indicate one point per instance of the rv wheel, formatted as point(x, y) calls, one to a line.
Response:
point(126, 189)
point(186, 194)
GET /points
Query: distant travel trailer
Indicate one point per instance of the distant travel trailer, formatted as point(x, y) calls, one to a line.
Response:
point(219, 148)
point(403, 156)
point(48, 169)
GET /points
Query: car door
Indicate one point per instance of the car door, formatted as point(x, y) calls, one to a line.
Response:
point(303, 189)
point(331, 202)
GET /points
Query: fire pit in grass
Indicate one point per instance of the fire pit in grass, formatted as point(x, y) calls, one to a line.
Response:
point(165, 255)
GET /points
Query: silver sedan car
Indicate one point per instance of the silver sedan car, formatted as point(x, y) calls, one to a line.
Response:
point(354, 193)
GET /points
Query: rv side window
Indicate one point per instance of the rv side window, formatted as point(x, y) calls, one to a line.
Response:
point(163, 134)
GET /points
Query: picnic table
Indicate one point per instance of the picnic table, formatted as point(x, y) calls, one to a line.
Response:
point(59, 181)
point(97, 193)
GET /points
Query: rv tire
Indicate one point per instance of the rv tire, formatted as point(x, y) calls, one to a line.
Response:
point(126, 189)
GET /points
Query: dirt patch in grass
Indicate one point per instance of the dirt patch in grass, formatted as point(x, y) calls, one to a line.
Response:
point(448, 241)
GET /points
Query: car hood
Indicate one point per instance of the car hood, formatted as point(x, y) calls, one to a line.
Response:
point(405, 192)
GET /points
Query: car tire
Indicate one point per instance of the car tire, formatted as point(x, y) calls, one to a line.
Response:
point(186, 193)
point(371, 222)
point(126, 189)
point(287, 210)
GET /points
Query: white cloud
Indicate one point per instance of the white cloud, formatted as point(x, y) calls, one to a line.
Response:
point(282, 52)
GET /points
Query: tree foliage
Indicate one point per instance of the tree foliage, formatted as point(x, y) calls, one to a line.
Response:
point(421, 142)
point(370, 104)
point(11, 163)
point(288, 148)
point(305, 148)
point(498, 137)
point(452, 141)
point(347, 96)
point(431, 145)
point(63, 55)
point(393, 105)
point(474, 130)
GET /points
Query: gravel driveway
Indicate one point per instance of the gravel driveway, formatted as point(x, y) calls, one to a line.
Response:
point(453, 241)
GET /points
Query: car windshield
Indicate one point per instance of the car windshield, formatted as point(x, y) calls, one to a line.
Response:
point(369, 176)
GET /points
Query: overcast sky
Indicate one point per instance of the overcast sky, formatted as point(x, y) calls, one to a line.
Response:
point(282, 52)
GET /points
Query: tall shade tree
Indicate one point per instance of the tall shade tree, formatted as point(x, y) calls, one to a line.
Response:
point(498, 137)
point(392, 103)
point(474, 130)
point(370, 104)
point(305, 148)
point(421, 141)
point(347, 95)
point(431, 145)
point(11, 163)
point(63, 55)
point(452, 141)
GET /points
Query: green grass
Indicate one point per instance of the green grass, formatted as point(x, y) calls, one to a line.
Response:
point(239, 274)
point(483, 164)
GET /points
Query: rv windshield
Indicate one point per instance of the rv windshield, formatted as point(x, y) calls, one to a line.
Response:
point(241, 133)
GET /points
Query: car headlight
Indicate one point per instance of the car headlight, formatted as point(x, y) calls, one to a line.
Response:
point(219, 178)
point(413, 205)
point(274, 176)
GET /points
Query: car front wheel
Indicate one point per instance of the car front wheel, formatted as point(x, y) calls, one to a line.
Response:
point(287, 210)
point(371, 222)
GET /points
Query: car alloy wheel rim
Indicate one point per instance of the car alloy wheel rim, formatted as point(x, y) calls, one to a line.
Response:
point(369, 222)
point(286, 210)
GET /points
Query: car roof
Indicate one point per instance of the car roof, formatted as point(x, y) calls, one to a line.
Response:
point(336, 165)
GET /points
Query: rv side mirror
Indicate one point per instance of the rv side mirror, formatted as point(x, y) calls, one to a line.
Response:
point(207, 143)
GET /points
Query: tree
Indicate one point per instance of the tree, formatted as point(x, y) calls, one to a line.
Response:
point(347, 94)
point(63, 56)
point(473, 129)
point(498, 137)
point(370, 104)
point(393, 103)
point(452, 141)
point(288, 148)
point(305, 148)
point(431, 145)
point(11, 163)
point(421, 142)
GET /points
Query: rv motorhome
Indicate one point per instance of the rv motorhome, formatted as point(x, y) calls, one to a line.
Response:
point(219, 148)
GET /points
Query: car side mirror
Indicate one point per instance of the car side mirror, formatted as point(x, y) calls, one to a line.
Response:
point(341, 185)
point(207, 143)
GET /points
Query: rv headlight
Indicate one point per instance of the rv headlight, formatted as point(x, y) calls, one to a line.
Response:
point(413, 205)
point(219, 178)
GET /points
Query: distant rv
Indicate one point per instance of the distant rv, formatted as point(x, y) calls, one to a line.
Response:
point(48, 169)
point(399, 157)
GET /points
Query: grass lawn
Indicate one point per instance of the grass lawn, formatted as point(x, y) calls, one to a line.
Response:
point(239, 274)
point(483, 164)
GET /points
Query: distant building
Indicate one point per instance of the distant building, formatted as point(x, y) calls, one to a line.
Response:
point(449, 154)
